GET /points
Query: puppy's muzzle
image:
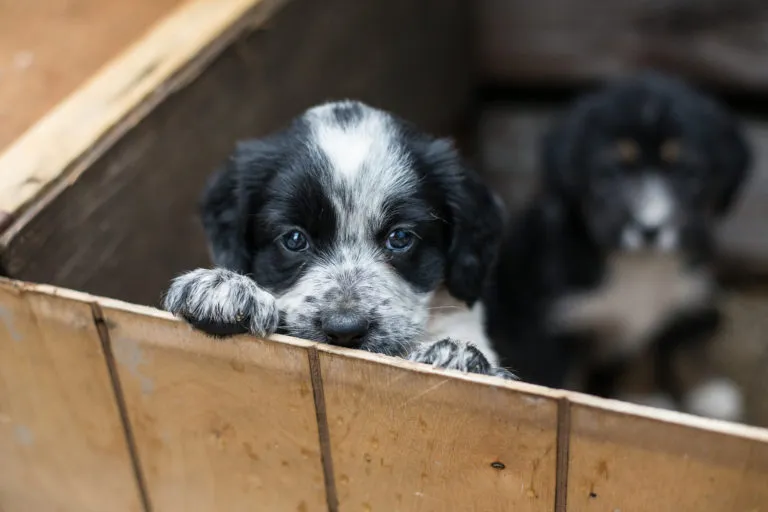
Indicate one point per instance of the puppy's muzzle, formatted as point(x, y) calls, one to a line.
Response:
point(346, 328)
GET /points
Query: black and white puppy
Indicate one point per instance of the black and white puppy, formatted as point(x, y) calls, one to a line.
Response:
point(613, 257)
point(339, 229)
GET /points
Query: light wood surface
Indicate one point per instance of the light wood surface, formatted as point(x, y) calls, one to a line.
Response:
point(54, 144)
point(225, 425)
point(50, 47)
point(62, 445)
point(219, 425)
point(408, 441)
point(621, 462)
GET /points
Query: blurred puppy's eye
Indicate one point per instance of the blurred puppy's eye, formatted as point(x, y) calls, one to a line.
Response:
point(670, 151)
point(628, 151)
point(295, 241)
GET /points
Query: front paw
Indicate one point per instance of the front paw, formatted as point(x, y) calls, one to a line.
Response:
point(456, 355)
point(220, 302)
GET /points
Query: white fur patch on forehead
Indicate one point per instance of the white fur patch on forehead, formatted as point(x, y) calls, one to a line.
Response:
point(368, 164)
point(360, 143)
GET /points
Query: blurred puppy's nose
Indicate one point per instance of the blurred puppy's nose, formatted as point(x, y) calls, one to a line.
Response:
point(650, 234)
point(345, 328)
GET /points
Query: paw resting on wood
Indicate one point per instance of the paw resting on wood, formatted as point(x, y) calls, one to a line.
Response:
point(456, 355)
point(220, 302)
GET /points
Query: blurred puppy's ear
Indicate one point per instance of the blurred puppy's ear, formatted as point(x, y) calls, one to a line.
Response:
point(560, 151)
point(733, 159)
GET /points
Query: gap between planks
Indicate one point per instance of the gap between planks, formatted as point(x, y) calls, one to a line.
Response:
point(322, 429)
point(563, 457)
point(101, 328)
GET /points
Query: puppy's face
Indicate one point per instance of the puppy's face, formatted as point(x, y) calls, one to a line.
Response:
point(352, 219)
point(650, 162)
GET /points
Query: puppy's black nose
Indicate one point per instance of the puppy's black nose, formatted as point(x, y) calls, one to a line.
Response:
point(650, 234)
point(345, 328)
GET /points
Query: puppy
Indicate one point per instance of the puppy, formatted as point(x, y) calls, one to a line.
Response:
point(612, 258)
point(339, 229)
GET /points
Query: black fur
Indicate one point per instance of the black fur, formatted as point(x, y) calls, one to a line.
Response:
point(344, 177)
point(254, 196)
point(560, 244)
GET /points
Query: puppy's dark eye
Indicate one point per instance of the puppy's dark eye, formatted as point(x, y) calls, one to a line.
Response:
point(295, 241)
point(400, 240)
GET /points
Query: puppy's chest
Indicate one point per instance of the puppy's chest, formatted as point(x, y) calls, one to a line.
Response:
point(638, 295)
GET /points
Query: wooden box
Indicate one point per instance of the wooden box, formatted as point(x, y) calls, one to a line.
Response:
point(109, 406)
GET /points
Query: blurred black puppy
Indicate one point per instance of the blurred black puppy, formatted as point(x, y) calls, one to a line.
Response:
point(612, 258)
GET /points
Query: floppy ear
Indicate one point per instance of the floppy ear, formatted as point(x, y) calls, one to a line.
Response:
point(228, 199)
point(733, 158)
point(560, 151)
point(476, 222)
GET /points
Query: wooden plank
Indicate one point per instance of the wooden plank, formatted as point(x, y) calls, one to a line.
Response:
point(55, 143)
point(49, 47)
point(720, 42)
point(224, 426)
point(94, 228)
point(620, 460)
point(62, 445)
point(405, 440)
point(219, 425)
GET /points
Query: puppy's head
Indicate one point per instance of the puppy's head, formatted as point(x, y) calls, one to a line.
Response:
point(648, 162)
point(352, 218)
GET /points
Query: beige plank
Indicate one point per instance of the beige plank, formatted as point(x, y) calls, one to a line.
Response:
point(62, 445)
point(627, 462)
point(49, 147)
point(405, 440)
point(49, 47)
point(218, 425)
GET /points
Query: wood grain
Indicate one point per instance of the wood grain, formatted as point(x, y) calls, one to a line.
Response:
point(219, 425)
point(62, 445)
point(50, 47)
point(635, 464)
point(719, 42)
point(409, 57)
point(233, 426)
point(129, 83)
point(404, 440)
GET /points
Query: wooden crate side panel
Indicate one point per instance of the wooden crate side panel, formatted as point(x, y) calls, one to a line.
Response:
point(227, 425)
point(719, 42)
point(62, 444)
point(130, 222)
point(635, 464)
point(126, 85)
point(405, 440)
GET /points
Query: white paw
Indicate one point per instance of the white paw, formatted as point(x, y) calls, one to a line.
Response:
point(221, 303)
point(716, 398)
